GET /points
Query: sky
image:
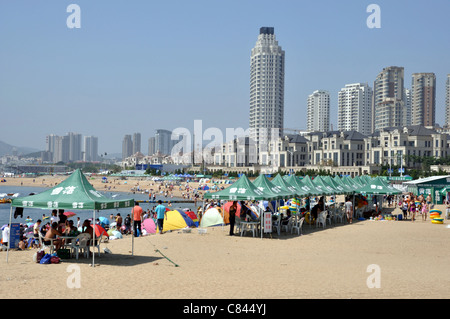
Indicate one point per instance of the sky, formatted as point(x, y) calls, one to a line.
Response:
point(142, 65)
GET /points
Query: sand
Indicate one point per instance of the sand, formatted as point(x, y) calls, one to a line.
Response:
point(411, 261)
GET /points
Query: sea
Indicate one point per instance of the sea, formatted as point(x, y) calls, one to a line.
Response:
point(35, 213)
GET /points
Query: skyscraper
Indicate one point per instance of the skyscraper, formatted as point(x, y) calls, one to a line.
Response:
point(266, 87)
point(388, 106)
point(136, 142)
point(90, 149)
point(318, 111)
point(423, 99)
point(127, 146)
point(447, 101)
point(355, 108)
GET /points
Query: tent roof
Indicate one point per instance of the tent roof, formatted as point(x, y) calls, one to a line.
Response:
point(242, 189)
point(285, 186)
point(263, 184)
point(378, 187)
point(75, 192)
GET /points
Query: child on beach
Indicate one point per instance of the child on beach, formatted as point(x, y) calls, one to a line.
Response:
point(424, 210)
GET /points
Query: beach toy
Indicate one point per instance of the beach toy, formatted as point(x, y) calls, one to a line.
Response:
point(438, 221)
point(307, 219)
point(435, 211)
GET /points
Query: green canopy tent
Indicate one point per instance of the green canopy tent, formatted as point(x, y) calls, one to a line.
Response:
point(319, 182)
point(263, 184)
point(378, 187)
point(75, 192)
point(317, 189)
point(285, 186)
point(342, 189)
point(242, 189)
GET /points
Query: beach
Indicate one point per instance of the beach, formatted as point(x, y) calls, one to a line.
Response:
point(364, 260)
point(411, 259)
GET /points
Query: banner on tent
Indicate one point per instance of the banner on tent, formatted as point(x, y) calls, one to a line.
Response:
point(267, 222)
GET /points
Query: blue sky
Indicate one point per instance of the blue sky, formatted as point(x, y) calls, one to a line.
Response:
point(135, 66)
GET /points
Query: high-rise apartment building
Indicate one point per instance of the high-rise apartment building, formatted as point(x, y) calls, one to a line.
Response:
point(127, 146)
point(136, 142)
point(266, 87)
point(355, 108)
point(90, 149)
point(64, 148)
point(151, 145)
point(423, 99)
point(75, 143)
point(407, 114)
point(388, 106)
point(447, 102)
point(318, 111)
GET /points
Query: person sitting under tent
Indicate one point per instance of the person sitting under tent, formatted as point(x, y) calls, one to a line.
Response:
point(51, 234)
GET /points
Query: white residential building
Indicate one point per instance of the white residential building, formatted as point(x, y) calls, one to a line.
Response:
point(355, 108)
point(266, 87)
point(318, 111)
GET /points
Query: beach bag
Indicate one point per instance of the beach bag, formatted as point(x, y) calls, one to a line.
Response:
point(39, 255)
point(55, 260)
point(63, 253)
point(46, 259)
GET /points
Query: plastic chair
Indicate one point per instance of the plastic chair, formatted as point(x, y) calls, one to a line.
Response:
point(51, 246)
point(98, 239)
point(298, 226)
point(322, 219)
point(81, 243)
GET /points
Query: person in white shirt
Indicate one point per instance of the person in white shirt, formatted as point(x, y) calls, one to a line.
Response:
point(54, 218)
point(5, 236)
point(349, 210)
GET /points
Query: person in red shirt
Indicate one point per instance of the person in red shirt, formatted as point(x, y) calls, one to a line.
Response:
point(137, 218)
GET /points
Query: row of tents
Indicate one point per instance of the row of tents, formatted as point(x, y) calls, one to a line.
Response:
point(285, 187)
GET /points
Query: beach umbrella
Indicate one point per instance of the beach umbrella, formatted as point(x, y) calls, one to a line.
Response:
point(99, 230)
point(69, 214)
point(149, 225)
point(103, 221)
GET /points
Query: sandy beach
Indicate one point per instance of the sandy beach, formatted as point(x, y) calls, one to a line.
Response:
point(409, 259)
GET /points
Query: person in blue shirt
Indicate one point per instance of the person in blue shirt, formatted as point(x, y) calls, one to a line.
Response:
point(160, 215)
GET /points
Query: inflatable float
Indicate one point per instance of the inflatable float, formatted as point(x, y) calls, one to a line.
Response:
point(438, 221)
point(436, 211)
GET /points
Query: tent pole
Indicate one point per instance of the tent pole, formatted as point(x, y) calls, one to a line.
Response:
point(93, 238)
point(134, 232)
point(9, 239)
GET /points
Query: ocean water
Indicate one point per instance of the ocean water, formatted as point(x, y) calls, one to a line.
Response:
point(35, 213)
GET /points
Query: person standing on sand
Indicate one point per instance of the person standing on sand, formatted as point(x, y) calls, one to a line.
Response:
point(349, 210)
point(232, 211)
point(137, 218)
point(160, 216)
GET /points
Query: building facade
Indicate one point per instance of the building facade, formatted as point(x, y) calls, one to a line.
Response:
point(318, 111)
point(447, 102)
point(266, 87)
point(388, 106)
point(423, 99)
point(355, 108)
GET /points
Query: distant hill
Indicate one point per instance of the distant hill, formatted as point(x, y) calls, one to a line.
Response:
point(7, 149)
